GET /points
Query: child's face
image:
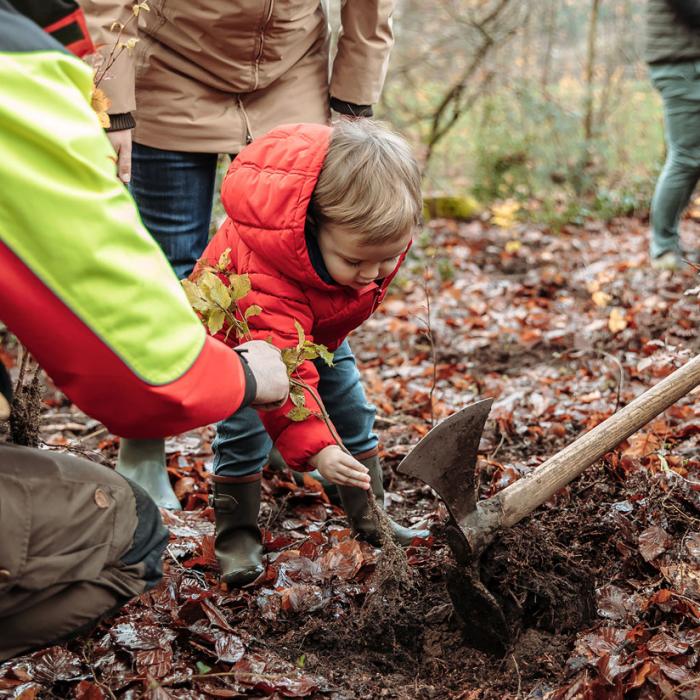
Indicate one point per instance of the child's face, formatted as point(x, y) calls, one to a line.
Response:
point(353, 263)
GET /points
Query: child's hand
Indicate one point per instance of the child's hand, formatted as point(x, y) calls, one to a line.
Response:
point(338, 467)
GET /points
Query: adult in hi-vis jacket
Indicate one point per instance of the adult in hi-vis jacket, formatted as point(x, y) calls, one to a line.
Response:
point(91, 296)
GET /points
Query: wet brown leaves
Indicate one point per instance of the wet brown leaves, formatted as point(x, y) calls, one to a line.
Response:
point(531, 326)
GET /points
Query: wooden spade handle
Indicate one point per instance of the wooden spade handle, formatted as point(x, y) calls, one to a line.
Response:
point(523, 496)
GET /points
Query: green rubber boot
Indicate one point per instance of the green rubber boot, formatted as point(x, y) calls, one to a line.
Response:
point(143, 462)
point(359, 514)
point(238, 542)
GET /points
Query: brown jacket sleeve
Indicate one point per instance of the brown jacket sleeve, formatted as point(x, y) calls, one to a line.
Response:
point(364, 45)
point(118, 83)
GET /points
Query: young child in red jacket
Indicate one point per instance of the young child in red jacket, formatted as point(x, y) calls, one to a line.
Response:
point(320, 219)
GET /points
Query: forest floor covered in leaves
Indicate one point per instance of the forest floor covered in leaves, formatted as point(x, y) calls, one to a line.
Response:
point(602, 584)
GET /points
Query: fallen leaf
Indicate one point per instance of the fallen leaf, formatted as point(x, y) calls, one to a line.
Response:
point(613, 602)
point(601, 299)
point(653, 542)
point(135, 637)
point(229, 648)
point(617, 321)
point(663, 643)
point(56, 664)
point(87, 690)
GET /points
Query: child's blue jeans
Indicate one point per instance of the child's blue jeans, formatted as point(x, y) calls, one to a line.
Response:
point(242, 445)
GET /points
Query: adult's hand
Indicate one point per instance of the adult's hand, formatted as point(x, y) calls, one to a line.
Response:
point(121, 143)
point(265, 362)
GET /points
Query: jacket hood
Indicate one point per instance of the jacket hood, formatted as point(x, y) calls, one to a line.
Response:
point(267, 191)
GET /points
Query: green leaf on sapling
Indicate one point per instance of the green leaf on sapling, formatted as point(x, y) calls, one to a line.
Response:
point(252, 310)
point(290, 357)
point(240, 286)
point(309, 352)
point(325, 354)
point(194, 296)
point(298, 414)
point(224, 261)
point(242, 329)
point(219, 293)
point(296, 394)
point(300, 334)
point(215, 322)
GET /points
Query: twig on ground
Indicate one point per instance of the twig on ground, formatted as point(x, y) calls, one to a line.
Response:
point(517, 670)
point(498, 447)
point(93, 434)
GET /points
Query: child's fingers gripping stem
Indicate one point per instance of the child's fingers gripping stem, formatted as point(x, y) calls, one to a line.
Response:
point(338, 467)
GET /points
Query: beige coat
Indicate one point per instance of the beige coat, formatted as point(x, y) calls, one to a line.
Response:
point(209, 76)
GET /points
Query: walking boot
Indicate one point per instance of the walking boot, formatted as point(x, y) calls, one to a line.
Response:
point(238, 542)
point(359, 514)
point(143, 462)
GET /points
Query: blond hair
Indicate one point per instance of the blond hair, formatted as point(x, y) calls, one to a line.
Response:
point(369, 183)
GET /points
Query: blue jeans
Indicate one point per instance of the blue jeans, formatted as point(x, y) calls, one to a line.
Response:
point(679, 85)
point(174, 192)
point(242, 445)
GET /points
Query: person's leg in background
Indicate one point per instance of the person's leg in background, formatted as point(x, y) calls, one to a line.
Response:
point(353, 417)
point(174, 192)
point(78, 542)
point(679, 86)
point(241, 449)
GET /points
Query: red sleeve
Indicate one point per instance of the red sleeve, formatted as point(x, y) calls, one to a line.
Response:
point(98, 380)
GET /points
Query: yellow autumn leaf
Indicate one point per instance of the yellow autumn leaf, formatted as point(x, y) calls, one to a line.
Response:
point(101, 103)
point(513, 247)
point(617, 321)
point(505, 214)
point(601, 298)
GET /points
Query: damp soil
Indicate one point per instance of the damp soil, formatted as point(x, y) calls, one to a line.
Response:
point(413, 644)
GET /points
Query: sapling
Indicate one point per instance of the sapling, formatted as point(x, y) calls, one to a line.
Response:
point(101, 65)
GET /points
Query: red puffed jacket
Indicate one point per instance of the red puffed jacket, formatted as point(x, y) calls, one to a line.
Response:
point(266, 193)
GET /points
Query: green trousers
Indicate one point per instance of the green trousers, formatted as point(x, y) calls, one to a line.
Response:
point(679, 85)
point(76, 540)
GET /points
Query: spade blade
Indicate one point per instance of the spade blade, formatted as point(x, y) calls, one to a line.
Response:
point(445, 458)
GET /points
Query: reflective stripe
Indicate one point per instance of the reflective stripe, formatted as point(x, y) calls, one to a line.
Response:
point(66, 216)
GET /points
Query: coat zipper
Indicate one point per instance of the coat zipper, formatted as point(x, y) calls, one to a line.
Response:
point(261, 43)
point(246, 122)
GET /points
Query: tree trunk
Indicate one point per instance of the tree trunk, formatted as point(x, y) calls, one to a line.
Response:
point(550, 30)
point(590, 74)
